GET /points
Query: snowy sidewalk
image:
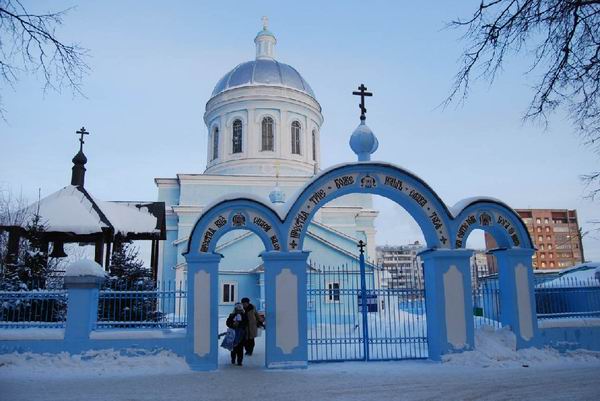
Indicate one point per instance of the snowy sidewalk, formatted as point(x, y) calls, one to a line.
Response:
point(409, 380)
point(495, 371)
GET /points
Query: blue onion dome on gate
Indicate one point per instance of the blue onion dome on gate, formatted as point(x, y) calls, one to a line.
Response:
point(265, 70)
point(277, 195)
point(363, 142)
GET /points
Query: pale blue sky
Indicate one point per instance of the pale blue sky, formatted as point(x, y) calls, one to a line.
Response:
point(154, 65)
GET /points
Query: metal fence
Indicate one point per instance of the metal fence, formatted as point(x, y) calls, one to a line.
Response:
point(567, 297)
point(35, 303)
point(486, 303)
point(392, 326)
point(136, 305)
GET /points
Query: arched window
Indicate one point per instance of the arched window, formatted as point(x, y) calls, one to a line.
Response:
point(215, 150)
point(267, 134)
point(314, 145)
point(237, 136)
point(296, 138)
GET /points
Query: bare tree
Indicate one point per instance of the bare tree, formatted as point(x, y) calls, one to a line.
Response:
point(29, 44)
point(562, 39)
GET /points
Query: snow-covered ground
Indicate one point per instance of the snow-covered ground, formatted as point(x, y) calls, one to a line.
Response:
point(495, 371)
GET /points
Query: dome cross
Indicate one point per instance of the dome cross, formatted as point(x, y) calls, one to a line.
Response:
point(362, 92)
point(81, 133)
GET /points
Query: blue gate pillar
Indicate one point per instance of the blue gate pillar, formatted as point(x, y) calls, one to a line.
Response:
point(82, 304)
point(517, 296)
point(202, 311)
point(448, 301)
point(285, 283)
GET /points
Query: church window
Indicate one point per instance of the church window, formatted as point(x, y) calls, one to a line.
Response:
point(267, 134)
point(215, 149)
point(333, 292)
point(237, 136)
point(296, 138)
point(314, 145)
point(229, 290)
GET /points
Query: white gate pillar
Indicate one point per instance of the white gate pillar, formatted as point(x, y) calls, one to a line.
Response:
point(517, 293)
point(202, 311)
point(285, 298)
point(448, 300)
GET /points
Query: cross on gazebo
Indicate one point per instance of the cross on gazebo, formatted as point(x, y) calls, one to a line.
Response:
point(81, 132)
point(362, 92)
point(361, 245)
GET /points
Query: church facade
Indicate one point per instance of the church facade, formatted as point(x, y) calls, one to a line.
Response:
point(264, 128)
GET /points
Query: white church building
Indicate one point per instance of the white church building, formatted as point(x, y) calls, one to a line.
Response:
point(264, 128)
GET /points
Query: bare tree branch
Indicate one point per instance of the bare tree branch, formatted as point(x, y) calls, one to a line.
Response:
point(565, 38)
point(29, 44)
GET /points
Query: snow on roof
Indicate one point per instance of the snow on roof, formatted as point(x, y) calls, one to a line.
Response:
point(460, 205)
point(581, 275)
point(73, 210)
point(128, 219)
point(68, 210)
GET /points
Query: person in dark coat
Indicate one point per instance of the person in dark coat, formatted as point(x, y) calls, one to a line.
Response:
point(238, 321)
point(254, 322)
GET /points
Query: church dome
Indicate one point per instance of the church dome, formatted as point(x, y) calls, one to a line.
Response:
point(263, 72)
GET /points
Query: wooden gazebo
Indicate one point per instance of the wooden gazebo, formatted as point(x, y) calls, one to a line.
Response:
point(73, 215)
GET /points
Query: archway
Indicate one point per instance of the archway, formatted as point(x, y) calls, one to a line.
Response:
point(512, 255)
point(241, 275)
point(283, 231)
point(204, 290)
point(394, 325)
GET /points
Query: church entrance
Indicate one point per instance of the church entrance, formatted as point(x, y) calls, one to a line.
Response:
point(311, 312)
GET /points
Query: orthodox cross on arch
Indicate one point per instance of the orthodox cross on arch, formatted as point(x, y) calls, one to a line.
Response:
point(81, 133)
point(362, 92)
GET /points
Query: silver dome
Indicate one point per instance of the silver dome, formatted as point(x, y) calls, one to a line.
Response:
point(263, 72)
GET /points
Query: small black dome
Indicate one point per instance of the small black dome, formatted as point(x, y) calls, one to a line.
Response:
point(79, 158)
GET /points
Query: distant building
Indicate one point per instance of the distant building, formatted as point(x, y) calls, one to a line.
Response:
point(556, 235)
point(402, 265)
point(479, 266)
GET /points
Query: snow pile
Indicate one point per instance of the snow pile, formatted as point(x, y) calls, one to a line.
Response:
point(497, 348)
point(103, 363)
point(84, 267)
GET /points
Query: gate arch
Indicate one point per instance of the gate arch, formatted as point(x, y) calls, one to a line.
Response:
point(493, 217)
point(282, 232)
point(387, 180)
point(235, 214)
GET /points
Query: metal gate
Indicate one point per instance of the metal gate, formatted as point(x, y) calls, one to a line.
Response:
point(365, 312)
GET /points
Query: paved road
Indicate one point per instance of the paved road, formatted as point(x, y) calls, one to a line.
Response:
point(410, 380)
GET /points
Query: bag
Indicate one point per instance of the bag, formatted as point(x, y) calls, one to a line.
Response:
point(229, 340)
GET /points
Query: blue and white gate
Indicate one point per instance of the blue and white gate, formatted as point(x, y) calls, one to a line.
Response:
point(391, 325)
point(387, 333)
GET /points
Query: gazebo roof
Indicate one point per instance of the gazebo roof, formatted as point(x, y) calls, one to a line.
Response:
point(73, 211)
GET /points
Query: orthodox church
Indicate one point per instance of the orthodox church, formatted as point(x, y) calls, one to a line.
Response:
point(264, 127)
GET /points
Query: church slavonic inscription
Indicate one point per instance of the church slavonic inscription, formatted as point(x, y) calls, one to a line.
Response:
point(317, 196)
point(210, 232)
point(463, 229)
point(299, 222)
point(506, 224)
point(393, 182)
point(435, 220)
point(262, 224)
point(343, 181)
point(420, 199)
